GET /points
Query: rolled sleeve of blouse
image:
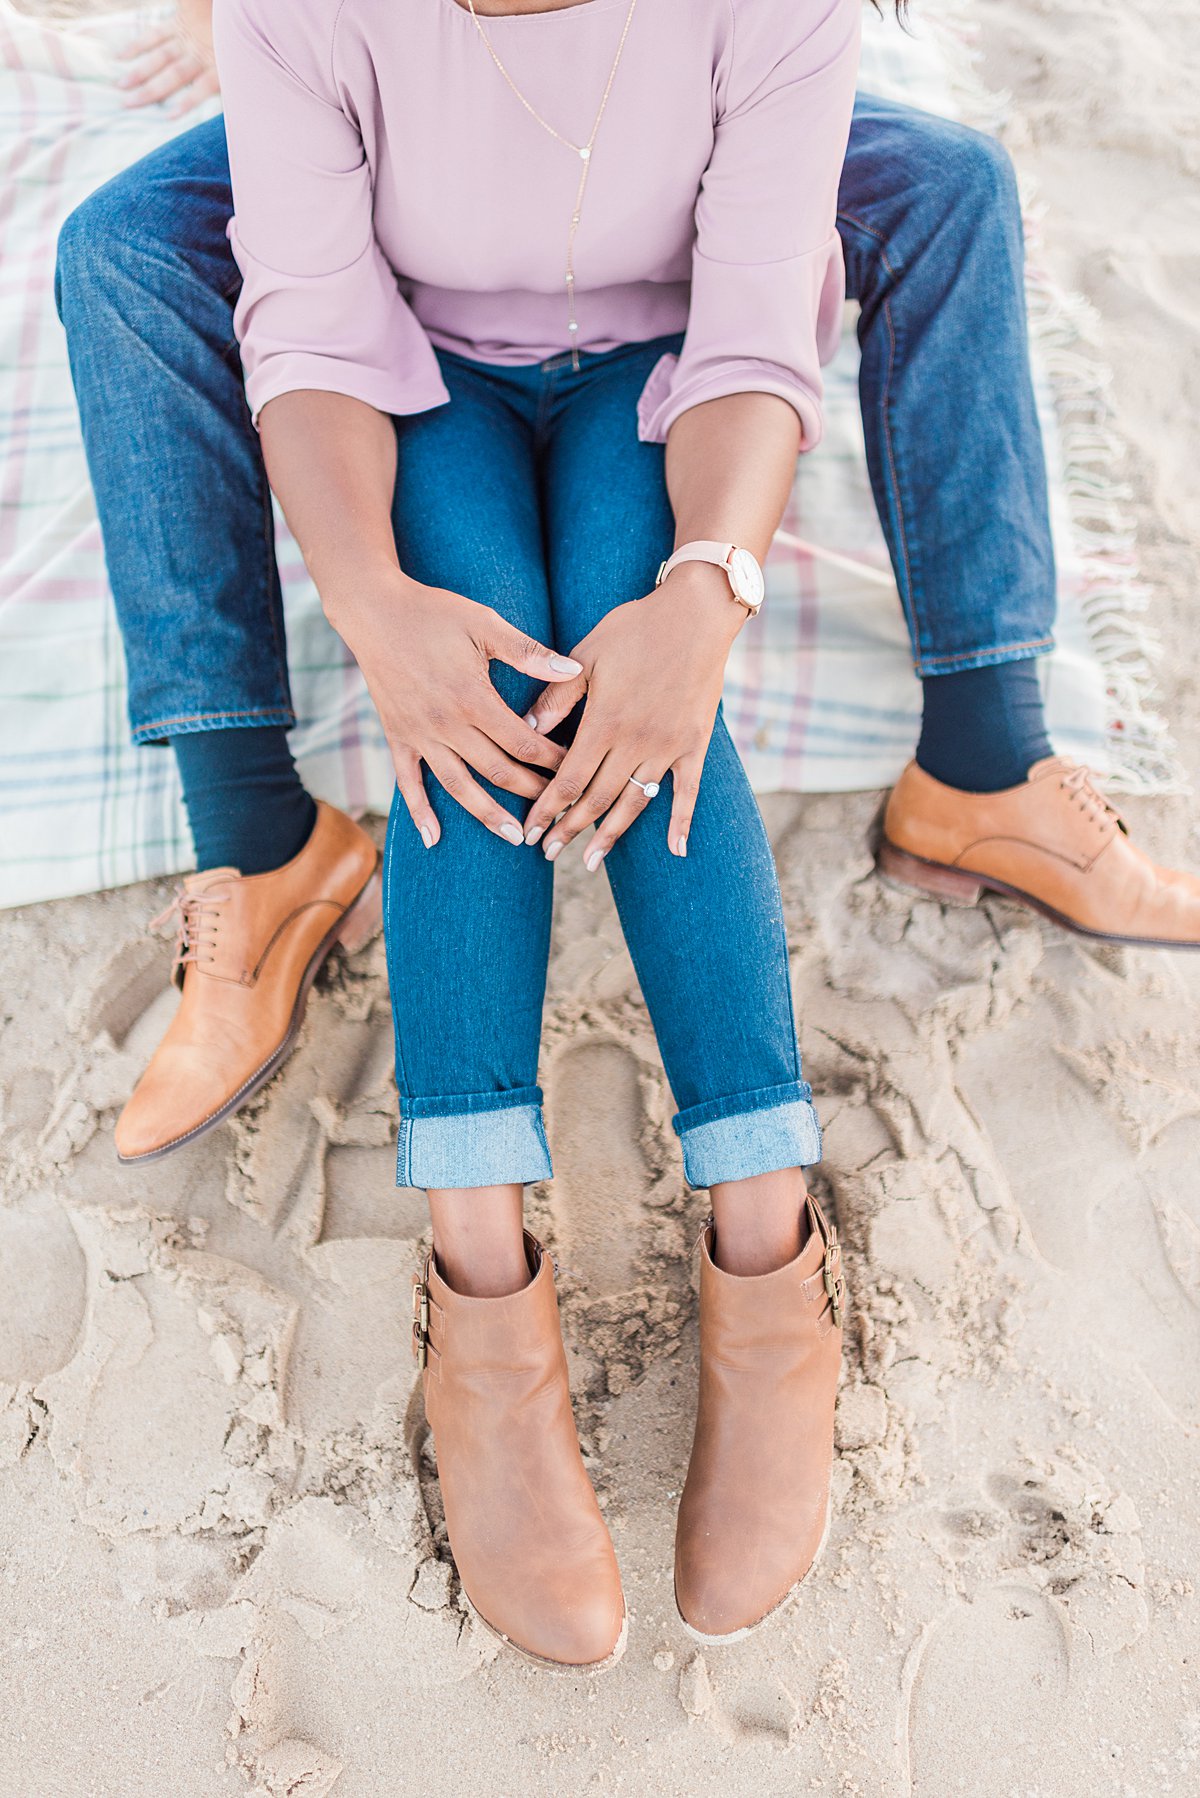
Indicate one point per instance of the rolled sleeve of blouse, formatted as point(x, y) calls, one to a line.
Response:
point(319, 306)
point(768, 283)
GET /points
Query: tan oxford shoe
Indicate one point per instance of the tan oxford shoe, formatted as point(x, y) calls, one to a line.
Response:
point(248, 951)
point(528, 1537)
point(1054, 843)
point(755, 1507)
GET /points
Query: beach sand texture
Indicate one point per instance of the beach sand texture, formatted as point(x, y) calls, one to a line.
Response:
point(221, 1563)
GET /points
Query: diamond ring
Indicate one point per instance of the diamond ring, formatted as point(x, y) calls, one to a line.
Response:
point(649, 787)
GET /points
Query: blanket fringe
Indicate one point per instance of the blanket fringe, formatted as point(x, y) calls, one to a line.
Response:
point(1063, 327)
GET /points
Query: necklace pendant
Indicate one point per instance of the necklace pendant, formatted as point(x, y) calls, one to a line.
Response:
point(585, 153)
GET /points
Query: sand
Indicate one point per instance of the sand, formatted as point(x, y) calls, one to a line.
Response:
point(222, 1565)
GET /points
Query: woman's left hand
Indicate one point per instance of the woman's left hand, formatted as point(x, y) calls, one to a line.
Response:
point(653, 672)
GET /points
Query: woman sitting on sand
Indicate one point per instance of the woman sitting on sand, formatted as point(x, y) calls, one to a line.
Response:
point(609, 271)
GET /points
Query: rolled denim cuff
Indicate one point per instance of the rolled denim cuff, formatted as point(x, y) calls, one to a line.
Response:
point(161, 730)
point(929, 666)
point(752, 1133)
point(488, 1144)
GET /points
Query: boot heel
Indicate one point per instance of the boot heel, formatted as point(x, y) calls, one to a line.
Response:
point(951, 884)
point(363, 918)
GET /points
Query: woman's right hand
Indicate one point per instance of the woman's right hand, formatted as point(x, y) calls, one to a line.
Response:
point(425, 653)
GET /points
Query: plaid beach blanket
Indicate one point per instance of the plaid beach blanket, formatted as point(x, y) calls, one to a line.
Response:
point(820, 695)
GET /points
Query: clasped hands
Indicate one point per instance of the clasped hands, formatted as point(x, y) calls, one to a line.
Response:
point(650, 676)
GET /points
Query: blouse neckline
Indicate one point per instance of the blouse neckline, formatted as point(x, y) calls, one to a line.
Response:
point(490, 20)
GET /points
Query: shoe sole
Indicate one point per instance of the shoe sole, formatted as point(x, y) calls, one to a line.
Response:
point(359, 922)
point(959, 886)
point(739, 1635)
point(584, 1669)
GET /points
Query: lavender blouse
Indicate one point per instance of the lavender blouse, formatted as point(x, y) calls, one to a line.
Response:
point(391, 193)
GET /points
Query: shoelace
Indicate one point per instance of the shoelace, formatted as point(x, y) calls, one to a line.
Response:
point(195, 916)
point(1078, 783)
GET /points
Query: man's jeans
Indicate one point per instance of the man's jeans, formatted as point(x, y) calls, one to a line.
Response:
point(931, 226)
point(568, 516)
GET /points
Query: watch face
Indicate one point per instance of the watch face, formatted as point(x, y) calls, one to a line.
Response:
point(747, 578)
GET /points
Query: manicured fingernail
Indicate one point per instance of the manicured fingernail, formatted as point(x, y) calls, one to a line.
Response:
point(512, 833)
point(531, 720)
point(427, 836)
point(564, 665)
point(552, 849)
point(681, 845)
point(592, 859)
point(536, 834)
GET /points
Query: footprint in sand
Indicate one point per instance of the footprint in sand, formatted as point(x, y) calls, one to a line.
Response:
point(594, 1104)
point(359, 1127)
point(136, 980)
point(42, 1291)
point(984, 1687)
point(1181, 1245)
point(362, 1198)
point(1081, 1542)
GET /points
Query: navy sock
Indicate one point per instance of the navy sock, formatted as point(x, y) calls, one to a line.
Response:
point(246, 804)
point(984, 728)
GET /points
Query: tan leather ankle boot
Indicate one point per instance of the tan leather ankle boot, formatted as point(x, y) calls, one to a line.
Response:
point(530, 1544)
point(755, 1506)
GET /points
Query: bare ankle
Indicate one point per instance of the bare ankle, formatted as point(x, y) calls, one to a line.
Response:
point(495, 1278)
point(761, 1223)
point(479, 1240)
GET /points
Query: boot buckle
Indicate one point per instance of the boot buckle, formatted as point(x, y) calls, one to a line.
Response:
point(835, 1285)
point(420, 1323)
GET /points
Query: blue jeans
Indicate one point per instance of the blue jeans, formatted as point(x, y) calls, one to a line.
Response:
point(931, 227)
point(568, 517)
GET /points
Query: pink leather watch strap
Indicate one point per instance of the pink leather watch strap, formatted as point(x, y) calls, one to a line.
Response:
point(701, 550)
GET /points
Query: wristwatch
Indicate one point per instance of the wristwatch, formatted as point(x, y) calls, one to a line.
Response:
point(745, 575)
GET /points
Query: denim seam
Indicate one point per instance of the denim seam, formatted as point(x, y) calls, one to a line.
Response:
point(907, 591)
point(999, 652)
point(908, 597)
point(851, 218)
point(164, 726)
point(273, 589)
point(718, 1111)
point(781, 936)
point(545, 407)
point(405, 1134)
point(521, 1098)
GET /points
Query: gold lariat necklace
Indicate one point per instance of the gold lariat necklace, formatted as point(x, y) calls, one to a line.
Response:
point(583, 151)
